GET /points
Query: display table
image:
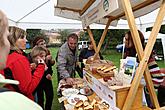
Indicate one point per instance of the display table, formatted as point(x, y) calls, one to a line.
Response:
point(91, 97)
point(115, 96)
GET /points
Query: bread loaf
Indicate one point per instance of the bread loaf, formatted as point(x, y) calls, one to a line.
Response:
point(79, 103)
point(80, 108)
point(100, 67)
point(89, 107)
point(86, 103)
point(109, 68)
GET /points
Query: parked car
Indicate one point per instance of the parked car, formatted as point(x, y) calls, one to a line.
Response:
point(82, 44)
point(119, 47)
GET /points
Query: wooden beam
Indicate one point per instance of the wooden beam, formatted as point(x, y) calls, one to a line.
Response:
point(91, 38)
point(154, 32)
point(162, 108)
point(102, 37)
point(135, 8)
point(90, 2)
point(70, 9)
point(142, 66)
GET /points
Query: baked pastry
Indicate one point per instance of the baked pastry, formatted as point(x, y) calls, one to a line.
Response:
point(92, 60)
point(100, 67)
point(103, 106)
point(86, 103)
point(80, 108)
point(93, 102)
point(114, 82)
point(104, 67)
point(109, 68)
point(79, 103)
point(96, 107)
point(89, 107)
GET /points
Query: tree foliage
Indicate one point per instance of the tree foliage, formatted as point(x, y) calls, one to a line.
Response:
point(82, 36)
point(64, 33)
point(112, 38)
point(33, 33)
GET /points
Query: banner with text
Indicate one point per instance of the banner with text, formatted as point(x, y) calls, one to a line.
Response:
point(104, 8)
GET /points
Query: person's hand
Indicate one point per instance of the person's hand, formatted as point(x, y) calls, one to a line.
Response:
point(33, 66)
point(49, 77)
point(48, 57)
point(163, 83)
point(40, 60)
point(46, 67)
point(70, 81)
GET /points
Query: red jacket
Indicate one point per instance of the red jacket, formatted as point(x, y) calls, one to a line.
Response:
point(20, 67)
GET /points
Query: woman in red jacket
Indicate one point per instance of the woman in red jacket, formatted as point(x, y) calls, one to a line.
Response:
point(18, 66)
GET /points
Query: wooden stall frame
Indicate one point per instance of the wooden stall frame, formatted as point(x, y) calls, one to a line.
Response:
point(142, 55)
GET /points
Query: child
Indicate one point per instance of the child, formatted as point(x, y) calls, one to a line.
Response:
point(38, 52)
point(45, 85)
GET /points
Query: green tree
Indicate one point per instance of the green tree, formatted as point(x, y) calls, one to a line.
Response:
point(64, 33)
point(33, 33)
point(112, 38)
point(83, 36)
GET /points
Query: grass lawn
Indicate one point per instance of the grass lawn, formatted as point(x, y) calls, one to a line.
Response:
point(110, 55)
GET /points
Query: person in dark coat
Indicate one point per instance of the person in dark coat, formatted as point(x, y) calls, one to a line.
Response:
point(85, 53)
point(45, 84)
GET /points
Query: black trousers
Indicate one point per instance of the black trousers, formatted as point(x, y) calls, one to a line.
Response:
point(47, 87)
point(161, 96)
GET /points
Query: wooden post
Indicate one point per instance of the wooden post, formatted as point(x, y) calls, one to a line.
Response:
point(153, 35)
point(102, 37)
point(143, 63)
point(139, 49)
point(91, 37)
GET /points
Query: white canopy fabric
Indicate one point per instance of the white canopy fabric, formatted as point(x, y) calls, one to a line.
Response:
point(40, 14)
point(35, 14)
point(159, 36)
point(73, 8)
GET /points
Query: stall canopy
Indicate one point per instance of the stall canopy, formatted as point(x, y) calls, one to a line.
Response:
point(40, 14)
point(90, 11)
point(109, 12)
point(99, 11)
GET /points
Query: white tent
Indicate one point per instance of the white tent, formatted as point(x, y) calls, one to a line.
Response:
point(35, 14)
point(159, 36)
point(40, 14)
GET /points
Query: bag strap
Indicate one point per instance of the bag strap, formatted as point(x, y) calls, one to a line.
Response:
point(9, 75)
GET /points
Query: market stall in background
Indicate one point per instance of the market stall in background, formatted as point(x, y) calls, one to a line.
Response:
point(116, 88)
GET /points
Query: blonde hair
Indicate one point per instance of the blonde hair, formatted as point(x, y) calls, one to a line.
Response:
point(3, 25)
point(37, 50)
point(15, 34)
